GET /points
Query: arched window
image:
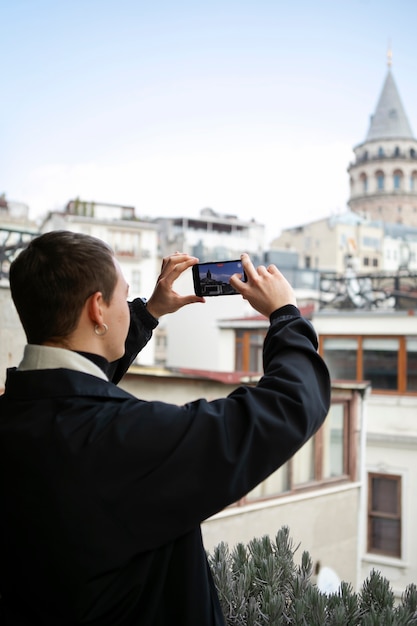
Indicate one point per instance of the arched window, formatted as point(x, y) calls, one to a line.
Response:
point(412, 153)
point(413, 180)
point(380, 180)
point(398, 177)
point(380, 151)
point(364, 182)
point(397, 151)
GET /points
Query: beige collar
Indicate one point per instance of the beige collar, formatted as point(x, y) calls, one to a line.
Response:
point(37, 357)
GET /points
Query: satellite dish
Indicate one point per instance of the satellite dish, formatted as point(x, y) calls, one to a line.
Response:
point(328, 581)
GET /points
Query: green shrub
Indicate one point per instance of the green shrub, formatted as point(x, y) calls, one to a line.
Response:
point(260, 584)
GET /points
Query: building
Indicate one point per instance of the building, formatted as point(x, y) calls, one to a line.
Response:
point(212, 236)
point(378, 232)
point(367, 328)
point(16, 230)
point(383, 176)
point(399, 248)
point(335, 243)
point(380, 346)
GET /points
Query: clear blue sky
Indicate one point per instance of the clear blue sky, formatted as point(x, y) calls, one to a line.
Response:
point(248, 107)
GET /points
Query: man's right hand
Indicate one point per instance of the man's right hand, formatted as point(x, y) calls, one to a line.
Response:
point(266, 288)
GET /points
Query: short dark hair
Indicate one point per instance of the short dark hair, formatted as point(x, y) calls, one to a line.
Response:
point(52, 278)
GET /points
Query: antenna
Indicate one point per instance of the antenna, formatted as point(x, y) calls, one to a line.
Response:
point(389, 55)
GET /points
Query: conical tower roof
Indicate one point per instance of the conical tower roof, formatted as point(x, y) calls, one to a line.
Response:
point(389, 120)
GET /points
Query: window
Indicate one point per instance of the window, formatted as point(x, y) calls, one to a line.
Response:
point(380, 151)
point(341, 357)
point(323, 459)
point(398, 175)
point(364, 182)
point(371, 242)
point(334, 439)
point(384, 514)
point(248, 350)
point(136, 286)
point(380, 362)
point(125, 243)
point(411, 366)
point(389, 363)
point(380, 180)
point(303, 466)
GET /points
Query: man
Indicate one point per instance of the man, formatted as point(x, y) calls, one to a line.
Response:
point(102, 494)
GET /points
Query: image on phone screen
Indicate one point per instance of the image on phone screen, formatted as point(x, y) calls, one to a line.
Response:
point(212, 279)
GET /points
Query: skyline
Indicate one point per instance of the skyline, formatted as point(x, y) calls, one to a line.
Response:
point(249, 109)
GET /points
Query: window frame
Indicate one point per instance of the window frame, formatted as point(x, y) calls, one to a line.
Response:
point(244, 346)
point(401, 388)
point(375, 514)
point(350, 459)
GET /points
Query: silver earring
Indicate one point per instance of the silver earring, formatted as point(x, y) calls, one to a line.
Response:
point(101, 330)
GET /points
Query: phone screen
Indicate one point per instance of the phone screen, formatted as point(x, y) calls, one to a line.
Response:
point(212, 279)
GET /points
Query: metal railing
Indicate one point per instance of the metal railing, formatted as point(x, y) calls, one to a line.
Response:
point(12, 241)
point(390, 291)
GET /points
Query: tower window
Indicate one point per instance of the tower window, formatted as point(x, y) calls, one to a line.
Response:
point(398, 175)
point(364, 182)
point(380, 180)
point(380, 151)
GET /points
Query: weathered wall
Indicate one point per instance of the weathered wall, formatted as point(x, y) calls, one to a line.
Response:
point(12, 337)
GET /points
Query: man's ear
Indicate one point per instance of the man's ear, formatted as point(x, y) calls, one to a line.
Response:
point(94, 306)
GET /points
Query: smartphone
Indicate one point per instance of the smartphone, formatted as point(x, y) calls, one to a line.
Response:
point(212, 279)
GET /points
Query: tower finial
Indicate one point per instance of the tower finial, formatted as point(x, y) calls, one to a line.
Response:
point(389, 55)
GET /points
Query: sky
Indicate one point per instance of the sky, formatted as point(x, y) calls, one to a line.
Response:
point(251, 107)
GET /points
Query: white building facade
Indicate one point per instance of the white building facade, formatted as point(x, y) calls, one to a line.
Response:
point(212, 236)
point(381, 347)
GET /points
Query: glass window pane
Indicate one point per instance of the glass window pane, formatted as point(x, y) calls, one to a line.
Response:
point(239, 356)
point(255, 352)
point(411, 364)
point(380, 362)
point(385, 495)
point(384, 515)
point(303, 464)
point(333, 443)
point(275, 484)
point(255, 359)
point(386, 536)
point(340, 356)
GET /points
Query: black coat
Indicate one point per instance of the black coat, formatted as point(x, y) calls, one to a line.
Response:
point(102, 494)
